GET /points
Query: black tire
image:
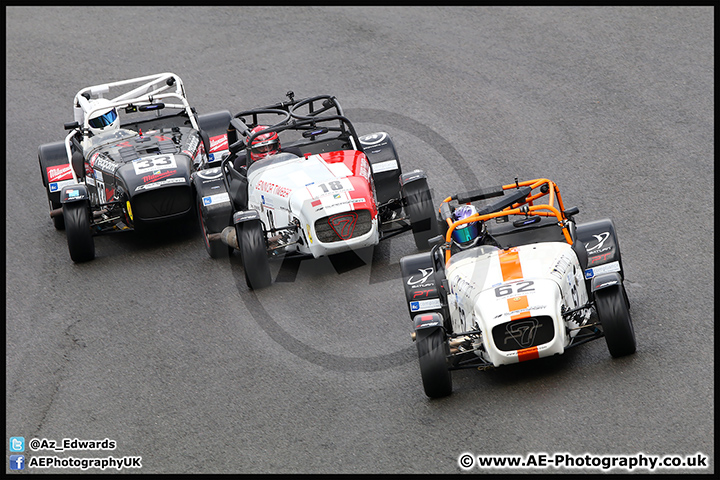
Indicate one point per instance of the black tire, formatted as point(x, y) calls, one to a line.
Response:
point(79, 236)
point(432, 353)
point(421, 211)
point(614, 316)
point(59, 220)
point(251, 239)
point(215, 248)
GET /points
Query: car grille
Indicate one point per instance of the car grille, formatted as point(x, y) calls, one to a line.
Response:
point(343, 226)
point(162, 203)
point(523, 333)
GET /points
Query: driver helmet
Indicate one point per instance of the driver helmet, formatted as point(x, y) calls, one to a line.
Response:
point(469, 234)
point(263, 145)
point(105, 119)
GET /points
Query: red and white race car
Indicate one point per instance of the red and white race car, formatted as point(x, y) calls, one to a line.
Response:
point(324, 191)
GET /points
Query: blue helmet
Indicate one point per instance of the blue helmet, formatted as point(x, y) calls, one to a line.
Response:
point(468, 234)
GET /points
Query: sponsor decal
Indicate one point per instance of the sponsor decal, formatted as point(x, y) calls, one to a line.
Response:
point(598, 247)
point(270, 187)
point(216, 199)
point(598, 258)
point(420, 280)
point(309, 234)
point(169, 181)
point(422, 305)
point(373, 138)
point(210, 173)
point(424, 293)
point(218, 143)
point(386, 166)
point(159, 175)
point(608, 267)
point(59, 173)
point(100, 162)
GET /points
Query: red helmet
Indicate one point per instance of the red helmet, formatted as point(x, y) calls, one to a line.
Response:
point(263, 145)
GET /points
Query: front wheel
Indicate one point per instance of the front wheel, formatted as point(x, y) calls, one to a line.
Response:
point(432, 353)
point(253, 249)
point(421, 211)
point(614, 316)
point(79, 236)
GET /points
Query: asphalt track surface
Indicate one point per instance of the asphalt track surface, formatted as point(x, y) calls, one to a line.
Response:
point(165, 351)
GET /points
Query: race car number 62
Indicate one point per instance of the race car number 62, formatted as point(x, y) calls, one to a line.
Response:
point(522, 287)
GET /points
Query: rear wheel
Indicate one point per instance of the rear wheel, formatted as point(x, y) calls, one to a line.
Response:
point(215, 248)
point(251, 240)
point(79, 236)
point(614, 316)
point(432, 353)
point(421, 211)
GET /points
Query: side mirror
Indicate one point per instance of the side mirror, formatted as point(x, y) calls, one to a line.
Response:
point(72, 125)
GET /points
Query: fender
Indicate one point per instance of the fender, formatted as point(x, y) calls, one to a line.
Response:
point(413, 176)
point(425, 323)
point(74, 193)
point(245, 216)
point(423, 285)
point(54, 169)
point(601, 245)
point(213, 200)
point(606, 280)
point(380, 152)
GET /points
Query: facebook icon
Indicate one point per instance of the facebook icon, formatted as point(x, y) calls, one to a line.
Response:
point(17, 462)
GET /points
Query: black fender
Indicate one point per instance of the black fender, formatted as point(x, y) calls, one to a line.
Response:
point(214, 204)
point(425, 291)
point(245, 216)
point(426, 323)
point(213, 125)
point(414, 176)
point(601, 245)
point(380, 152)
point(605, 280)
point(52, 156)
point(74, 193)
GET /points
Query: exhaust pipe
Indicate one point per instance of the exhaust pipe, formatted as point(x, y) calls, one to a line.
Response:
point(228, 237)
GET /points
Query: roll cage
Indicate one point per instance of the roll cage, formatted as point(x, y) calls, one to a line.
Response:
point(520, 202)
point(309, 117)
point(151, 93)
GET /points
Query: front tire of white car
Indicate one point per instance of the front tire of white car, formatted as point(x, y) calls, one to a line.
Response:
point(432, 354)
point(612, 309)
point(253, 249)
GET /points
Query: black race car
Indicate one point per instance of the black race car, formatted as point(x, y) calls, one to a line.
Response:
point(128, 159)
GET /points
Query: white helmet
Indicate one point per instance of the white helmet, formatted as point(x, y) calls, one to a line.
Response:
point(105, 119)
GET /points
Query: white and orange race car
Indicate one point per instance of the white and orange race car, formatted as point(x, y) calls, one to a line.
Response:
point(513, 280)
